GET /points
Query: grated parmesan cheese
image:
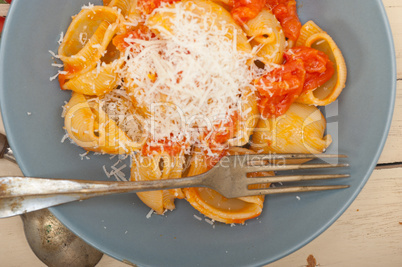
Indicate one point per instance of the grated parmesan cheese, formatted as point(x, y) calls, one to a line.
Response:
point(53, 54)
point(149, 214)
point(191, 77)
point(57, 65)
point(197, 217)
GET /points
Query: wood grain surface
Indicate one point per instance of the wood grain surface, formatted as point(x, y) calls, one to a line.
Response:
point(368, 234)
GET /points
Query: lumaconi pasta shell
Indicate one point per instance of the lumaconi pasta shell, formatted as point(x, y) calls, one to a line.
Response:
point(247, 120)
point(300, 130)
point(268, 36)
point(141, 108)
point(92, 129)
point(123, 5)
point(79, 121)
point(112, 139)
point(307, 30)
point(87, 38)
point(328, 92)
point(214, 205)
point(223, 3)
point(98, 81)
point(217, 207)
point(148, 168)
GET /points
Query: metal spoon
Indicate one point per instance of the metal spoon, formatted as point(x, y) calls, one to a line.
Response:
point(48, 238)
point(54, 244)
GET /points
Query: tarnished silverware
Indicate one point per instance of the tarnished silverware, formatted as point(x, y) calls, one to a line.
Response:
point(228, 177)
point(49, 239)
point(54, 244)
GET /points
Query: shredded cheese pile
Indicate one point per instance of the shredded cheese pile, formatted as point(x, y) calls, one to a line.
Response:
point(193, 76)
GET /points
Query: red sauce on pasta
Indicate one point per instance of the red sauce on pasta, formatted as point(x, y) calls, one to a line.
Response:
point(286, 13)
point(149, 5)
point(223, 131)
point(319, 69)
point(304, 69)
point(69, 71)
point(141, 32)
point(163, 146)
point(213, 160)
point(279, 88)
point(284, 10)
point(244, 10)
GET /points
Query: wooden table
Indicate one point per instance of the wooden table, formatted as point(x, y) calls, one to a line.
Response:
point(368, 234)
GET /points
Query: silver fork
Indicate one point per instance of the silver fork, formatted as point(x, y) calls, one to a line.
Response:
point(229, 177)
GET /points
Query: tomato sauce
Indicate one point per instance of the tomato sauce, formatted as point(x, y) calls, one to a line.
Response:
point(70, 70)
point(244, 10)
point(141, 32)
point(224, 131)
point(319, 68)
point(220, 134)
point(279, 88)
point(218, 155)
point(163, 146)
point(149, 5)
point(285, 12)
point(304, 69)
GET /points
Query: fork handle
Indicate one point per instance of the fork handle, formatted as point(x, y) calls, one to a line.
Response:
point(19, 195)
point(31, 186)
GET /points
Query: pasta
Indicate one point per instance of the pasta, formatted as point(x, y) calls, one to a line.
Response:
point(267, 33)
point(179, 84)
point(313, 36)
point(299, 130)
point(147, 168)
point(219, 208)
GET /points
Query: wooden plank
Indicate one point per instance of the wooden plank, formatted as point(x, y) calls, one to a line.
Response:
point(4, 9)
point(369, 233)
point(394, 12)
point(393, 147)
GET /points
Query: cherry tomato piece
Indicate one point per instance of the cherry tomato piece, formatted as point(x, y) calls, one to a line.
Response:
point(2, 19)
point(319, 68)
point(244, 10)
point(286, 13)
point(150, 5)
point(279, 88)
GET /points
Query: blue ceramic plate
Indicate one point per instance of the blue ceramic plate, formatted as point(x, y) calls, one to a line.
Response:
point(117, 225)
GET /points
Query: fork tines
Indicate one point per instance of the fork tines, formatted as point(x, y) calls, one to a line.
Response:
point(266, 162)
point(260, 168)
point(295, 189)
point(294, 178)
point(260, 158)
